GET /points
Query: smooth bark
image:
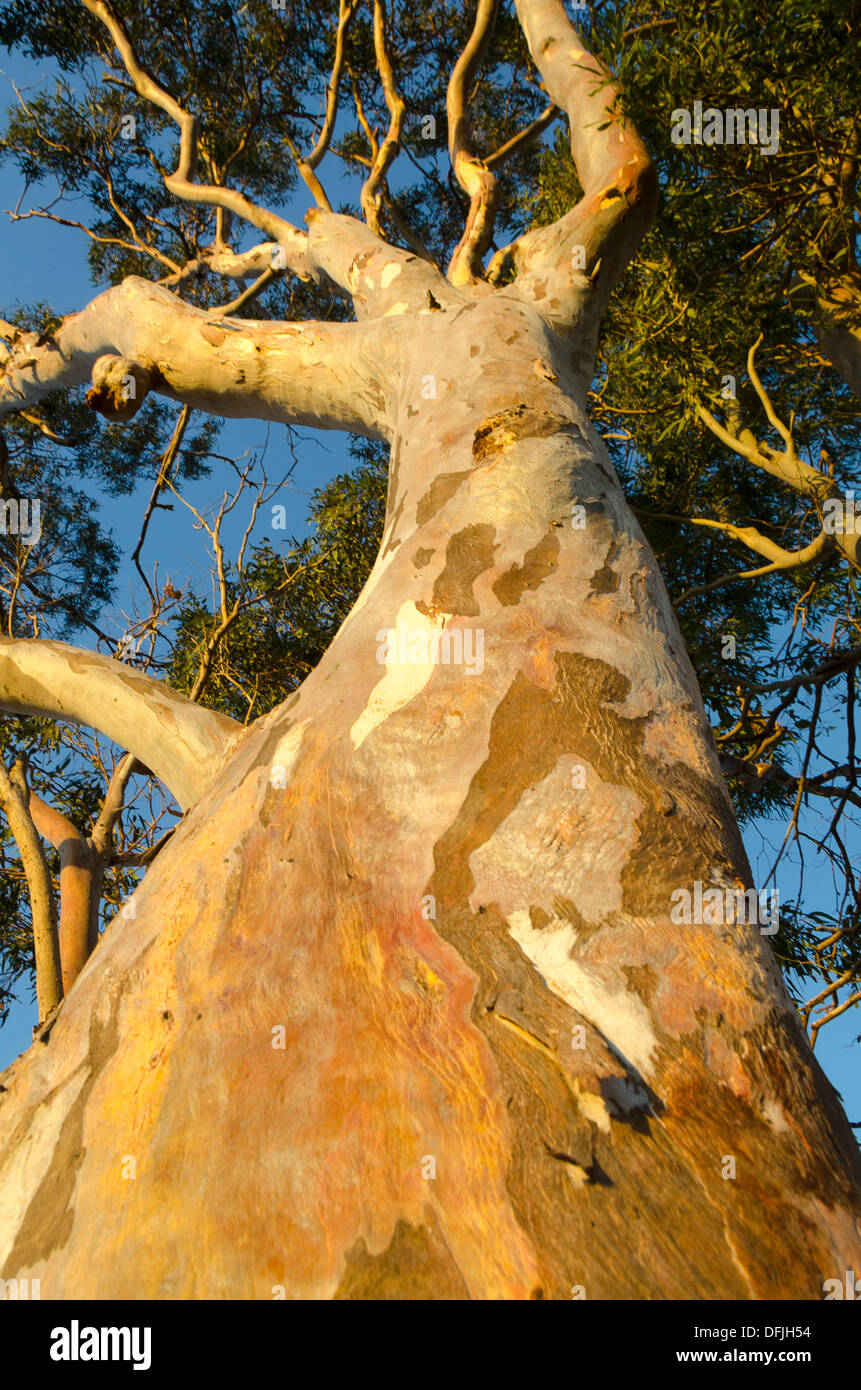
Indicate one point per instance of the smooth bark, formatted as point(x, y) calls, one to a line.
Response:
point(180, 742)
point(403, 1010)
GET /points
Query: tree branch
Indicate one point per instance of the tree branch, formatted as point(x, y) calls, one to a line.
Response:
point(837, 325)
point(14, 798)
point(180, 183)
point(181, 743)
point(139, 337)
point(618, 179)
point(524, 137)
point(113, 803)
point(773, 773)
point(780, 560)
point(471, 172)
point(383, 155)
point(81, 873)
point(333, 248)
point(843, 661)
point(783, 464)
point(307, 167)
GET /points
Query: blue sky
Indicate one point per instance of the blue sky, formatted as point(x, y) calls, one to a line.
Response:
point(42, 261)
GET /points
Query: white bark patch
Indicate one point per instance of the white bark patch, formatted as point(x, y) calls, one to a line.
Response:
point(399, 308)
point(402, 681)
point(776, 1118)
point(30, 1159)
point(390, 273)
point(594, 1109)
point(288, 747)
point(621, 1016)
point(581, 836)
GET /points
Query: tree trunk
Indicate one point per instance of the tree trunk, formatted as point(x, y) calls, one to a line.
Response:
point(401, 1010)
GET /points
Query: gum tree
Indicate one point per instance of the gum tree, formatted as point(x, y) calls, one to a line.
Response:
point(723, 389)
point(401, 1009)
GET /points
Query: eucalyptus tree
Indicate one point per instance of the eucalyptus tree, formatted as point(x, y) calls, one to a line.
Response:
point(405, 1006)
point(726, 391)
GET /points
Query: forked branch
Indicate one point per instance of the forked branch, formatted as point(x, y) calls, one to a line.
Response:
point(571, 266)
point(181, 182)
point(473, 175)
point(783, 464)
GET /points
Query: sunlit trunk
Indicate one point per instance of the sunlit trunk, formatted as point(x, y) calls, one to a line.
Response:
point(402, 1010)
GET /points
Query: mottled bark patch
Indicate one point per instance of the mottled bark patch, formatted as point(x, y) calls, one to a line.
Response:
point(563, 907)
point(416, 1264)
point(422, 557)
point(583, 1128)
point(441, 490)
point(212, 335)
point(538, 564)
point(557, 1093)
point(605, 580)
point(642, 981)
point(467, 555)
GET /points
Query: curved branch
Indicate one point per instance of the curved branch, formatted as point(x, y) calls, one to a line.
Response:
point(307, 167)
point(180, 183)
point(781, 560)
point(471, 172)
point(619, 182)
point(14, 798)
point(383, 155)
point(138, 337)
point(182, 744)
point(783, 464)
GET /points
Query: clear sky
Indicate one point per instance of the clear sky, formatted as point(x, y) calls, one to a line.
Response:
point(42, 261)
